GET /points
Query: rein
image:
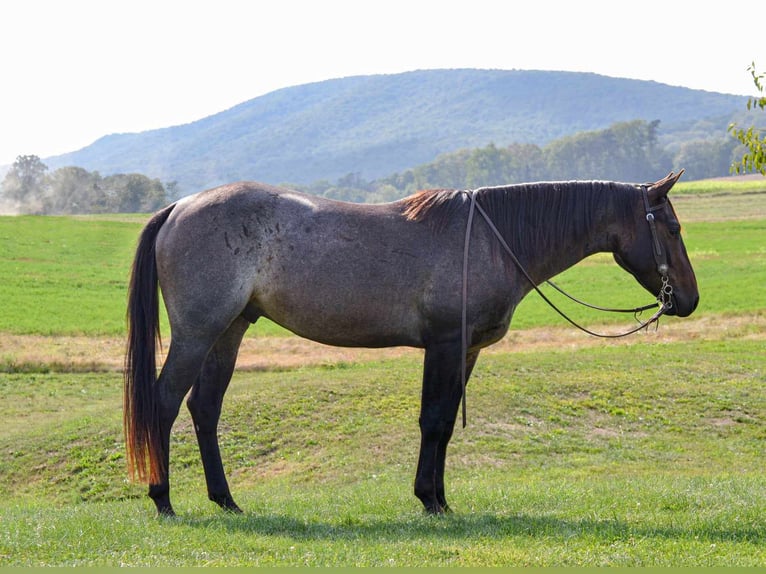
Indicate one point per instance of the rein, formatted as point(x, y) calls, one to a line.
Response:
point(664, 297)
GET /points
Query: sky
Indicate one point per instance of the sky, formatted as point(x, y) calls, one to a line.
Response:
point(72, 71)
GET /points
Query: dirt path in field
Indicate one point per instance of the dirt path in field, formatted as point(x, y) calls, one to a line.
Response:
point(82, 354)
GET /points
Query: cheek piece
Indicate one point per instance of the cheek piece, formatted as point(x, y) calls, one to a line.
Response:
point(665, 296)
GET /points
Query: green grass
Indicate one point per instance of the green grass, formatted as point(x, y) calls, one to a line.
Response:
point(655, 522)
point(64, 275)
point(614, 455)
point(720, 186)
point(617, 455)
point(68, 275)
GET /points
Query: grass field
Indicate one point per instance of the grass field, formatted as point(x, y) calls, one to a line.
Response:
point(67, 276)
point(642, 452)
point(614, 455)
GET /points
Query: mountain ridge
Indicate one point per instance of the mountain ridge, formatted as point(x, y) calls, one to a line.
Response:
point(376, 125)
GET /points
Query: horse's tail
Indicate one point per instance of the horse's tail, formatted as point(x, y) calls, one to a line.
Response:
point(140, 412)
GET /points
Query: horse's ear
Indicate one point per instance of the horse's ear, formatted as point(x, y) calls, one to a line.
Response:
point(661, 188)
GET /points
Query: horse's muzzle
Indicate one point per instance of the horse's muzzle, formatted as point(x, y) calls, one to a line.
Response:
point(683, 306)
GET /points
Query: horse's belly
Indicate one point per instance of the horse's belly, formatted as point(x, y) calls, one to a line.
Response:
point(338, 317)
point(348, 330)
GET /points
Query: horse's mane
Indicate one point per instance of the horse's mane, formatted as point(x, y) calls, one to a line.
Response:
point(437, 206)
point(531, 216)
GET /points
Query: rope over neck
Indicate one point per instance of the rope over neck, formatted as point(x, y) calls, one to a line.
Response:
point(464, 320)
point(663, 301)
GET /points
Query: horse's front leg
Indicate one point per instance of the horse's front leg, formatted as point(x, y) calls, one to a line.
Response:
point(442, 391)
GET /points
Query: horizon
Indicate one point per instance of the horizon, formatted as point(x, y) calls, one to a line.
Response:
point(5, 166)
point(91, 69)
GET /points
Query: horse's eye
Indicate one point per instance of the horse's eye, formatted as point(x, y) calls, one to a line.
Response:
point(675, 229)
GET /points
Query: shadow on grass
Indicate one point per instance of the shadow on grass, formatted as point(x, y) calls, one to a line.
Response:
point(467, 527)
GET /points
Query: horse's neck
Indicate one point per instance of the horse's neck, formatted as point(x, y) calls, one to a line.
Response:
point(568, 240)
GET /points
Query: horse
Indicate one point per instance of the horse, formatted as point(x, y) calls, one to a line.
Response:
point(359, 275)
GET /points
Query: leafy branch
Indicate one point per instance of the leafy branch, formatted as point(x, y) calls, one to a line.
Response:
point(755, 158)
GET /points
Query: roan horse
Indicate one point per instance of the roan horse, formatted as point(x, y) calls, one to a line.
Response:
point(365, 276)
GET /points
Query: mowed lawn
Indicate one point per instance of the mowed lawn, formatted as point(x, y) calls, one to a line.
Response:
point(640, 453)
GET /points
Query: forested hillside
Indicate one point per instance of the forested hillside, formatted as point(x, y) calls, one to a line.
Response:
point(626, 151)
point(374, 126)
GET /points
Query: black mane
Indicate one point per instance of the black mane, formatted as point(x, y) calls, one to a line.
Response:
point(532, 217)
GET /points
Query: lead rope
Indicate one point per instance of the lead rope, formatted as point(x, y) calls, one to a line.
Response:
point(664, 300)
point(642, 325)
point(464, 319)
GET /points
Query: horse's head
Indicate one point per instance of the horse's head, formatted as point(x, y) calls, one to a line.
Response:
point(651, 249)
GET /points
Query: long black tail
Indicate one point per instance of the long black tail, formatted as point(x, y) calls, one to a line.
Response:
point(140, 415)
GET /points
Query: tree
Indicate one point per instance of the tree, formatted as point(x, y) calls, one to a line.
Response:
point(133, 193)
point(754, 158)
point(74, 190)
point(626, 151)
point(486, 166)
point(447, 171)
point(24, 184)
point(703, 159)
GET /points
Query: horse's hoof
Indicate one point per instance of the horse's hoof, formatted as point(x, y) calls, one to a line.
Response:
point(226, 502)
point(437, 509)
point(166, 512)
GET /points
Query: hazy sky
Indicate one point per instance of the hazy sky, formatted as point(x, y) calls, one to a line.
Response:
point(72, 71)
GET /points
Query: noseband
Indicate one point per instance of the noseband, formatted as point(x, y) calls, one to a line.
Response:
point(664, 300)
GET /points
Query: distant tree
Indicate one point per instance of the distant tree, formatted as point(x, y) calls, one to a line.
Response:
point(754, 158)
point(352, 194)
point(68, 190)
point(75, 190)
point(133, 193)
point(384, 193)
point(486, 166)
point(405, 181)
point(446, 171)
point(24, 184)
point(527, 163)
point(626, 151)
point(352, 180)
point(172, 190)
point(705, 158)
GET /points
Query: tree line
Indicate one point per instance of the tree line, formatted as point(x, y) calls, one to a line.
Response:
point(626, 151)
point(28, 187)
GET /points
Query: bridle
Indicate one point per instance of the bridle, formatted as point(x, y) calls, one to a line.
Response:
point(663, 303)
point(665, 296)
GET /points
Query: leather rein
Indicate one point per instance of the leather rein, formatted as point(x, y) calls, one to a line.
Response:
point(664, 300)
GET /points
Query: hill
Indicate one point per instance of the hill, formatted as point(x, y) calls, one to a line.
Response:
point(381, 124)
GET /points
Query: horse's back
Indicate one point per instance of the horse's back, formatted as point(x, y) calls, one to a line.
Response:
point(335, 272)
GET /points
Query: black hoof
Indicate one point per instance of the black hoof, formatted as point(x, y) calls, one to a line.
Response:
point(160, 494)
point(437, 509)
point(226, 502)
point(166, 512)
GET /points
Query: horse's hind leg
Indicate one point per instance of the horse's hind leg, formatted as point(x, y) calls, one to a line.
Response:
point(204, 403)
point(180, 370)
point(442, 391)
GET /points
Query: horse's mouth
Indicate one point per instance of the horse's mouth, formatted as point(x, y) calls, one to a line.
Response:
point(682, 307)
